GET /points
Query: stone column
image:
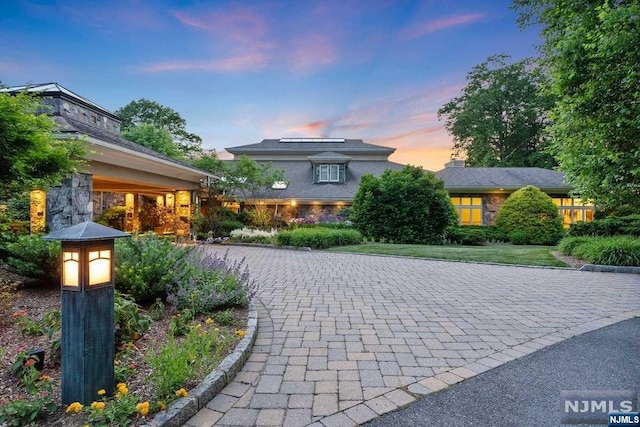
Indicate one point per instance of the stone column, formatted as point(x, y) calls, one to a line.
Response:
point(71, 203)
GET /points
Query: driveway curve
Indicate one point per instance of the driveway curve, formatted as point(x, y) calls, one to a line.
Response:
point(344, 338)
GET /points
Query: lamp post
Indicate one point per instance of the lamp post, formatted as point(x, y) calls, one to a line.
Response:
point(88, 337)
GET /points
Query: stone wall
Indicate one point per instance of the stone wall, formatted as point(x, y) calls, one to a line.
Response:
point(71, 203)
point(491, 204)
point(103, 200)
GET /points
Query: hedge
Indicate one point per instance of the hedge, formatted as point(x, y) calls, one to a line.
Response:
point(318, 238)
point(616, 250)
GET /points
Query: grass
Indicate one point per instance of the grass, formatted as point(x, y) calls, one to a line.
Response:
point(503, 254)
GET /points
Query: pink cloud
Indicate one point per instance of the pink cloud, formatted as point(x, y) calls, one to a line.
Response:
point(312, 50)
point(423, 28)
point(395, 139)
point(248, 61)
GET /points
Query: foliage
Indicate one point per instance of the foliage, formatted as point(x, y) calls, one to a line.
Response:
point(318, 237)
point(113, 217)
point(213, 282)
point(533, 213)
point(155, 138)
point(224, 317)
point(406, 206)
point(31, 256)
point(616, 250)
point(591, 49)
point(474, 235)
point(610, 226)
point(518, 238)
point(500, 118)
point(152, 113)
point(217, 222)
point(145, 267)
point(25, 410)
point(259, 216)
point(115, 411)
point(30, 156)
point(131, 322)
point(255, 235)
point(179, 324)
point(177, 362)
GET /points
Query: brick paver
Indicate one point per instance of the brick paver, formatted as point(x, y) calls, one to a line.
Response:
point(343, 338)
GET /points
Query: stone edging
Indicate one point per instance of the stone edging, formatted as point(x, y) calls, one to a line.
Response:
point(179, 411)
point(610, 269)
point(267, 245)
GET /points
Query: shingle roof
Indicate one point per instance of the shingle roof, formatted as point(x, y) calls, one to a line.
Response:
point(274, 146)
point(484, 179)
point(301, 187)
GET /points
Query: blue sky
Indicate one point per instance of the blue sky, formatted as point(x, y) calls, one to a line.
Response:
point(241, 71)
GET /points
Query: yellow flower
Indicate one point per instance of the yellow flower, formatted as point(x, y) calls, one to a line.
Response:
point(241, 333)
point(163, 406)
point(102, 392)
point(143, 408)
point(208, 321)
point(74, 407)
point(97, 405)
point(217, 329)
point(45, 378)
point(182, 393)
point(122, 389)
point(116, 362)
point(198, 326)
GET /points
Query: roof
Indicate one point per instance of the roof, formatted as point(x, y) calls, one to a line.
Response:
point(85, 231)
point(488, 179)
point(329, 156)
point(301, 187)
point(310, 146)
point(55, 88)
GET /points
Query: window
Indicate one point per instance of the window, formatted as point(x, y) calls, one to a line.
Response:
point(329, 173)
point(469, 210)
point(574, 210)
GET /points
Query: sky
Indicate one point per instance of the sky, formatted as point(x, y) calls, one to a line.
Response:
point(241, 71)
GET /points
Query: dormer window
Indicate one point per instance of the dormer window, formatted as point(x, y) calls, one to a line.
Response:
point(329, 173)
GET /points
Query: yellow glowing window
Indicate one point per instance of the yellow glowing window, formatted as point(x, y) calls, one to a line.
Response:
point(469, 210)
point(574, 210)
point(71, 268)
point(99, 267)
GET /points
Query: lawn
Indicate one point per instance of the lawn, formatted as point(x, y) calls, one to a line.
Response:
point(503, 254)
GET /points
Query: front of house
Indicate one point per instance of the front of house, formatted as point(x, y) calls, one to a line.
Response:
point(323, 175)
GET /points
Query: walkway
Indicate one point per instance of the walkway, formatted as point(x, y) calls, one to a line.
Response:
point(345, 338)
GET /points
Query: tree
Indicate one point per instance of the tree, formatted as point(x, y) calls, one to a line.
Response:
point(155, 138)
point(500, 118)
point(405, 206)
point(145, 111)
point(30, 155)
point(592, 49)
point(531, 212)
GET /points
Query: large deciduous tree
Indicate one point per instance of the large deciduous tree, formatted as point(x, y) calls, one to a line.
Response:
point(500, 118)
point(405, 206)
point(142, 111)
point(155, 138)
point(30, 155)
point(592, 49)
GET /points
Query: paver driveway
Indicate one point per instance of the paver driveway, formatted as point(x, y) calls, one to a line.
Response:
point(344, 338)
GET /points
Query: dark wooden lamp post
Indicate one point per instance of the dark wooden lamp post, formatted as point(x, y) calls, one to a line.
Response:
point(88, 339)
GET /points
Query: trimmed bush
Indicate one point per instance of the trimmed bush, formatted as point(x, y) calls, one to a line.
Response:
point(318, 238)
point(617, 250)
point(532, 212)
point(474, 235)
point(610, 226)
point(405, 206)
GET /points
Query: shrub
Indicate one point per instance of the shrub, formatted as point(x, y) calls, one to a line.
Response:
point(532, 212)
point(518, 238)
point(318, 238)
point(113, 217)
point(247, 234)
point(406, 206)
point(145, 267)
point(610, 226)
point(213, 282)
point(31, 256)
point(131, 321)
point(474, 235)
point(617, 250)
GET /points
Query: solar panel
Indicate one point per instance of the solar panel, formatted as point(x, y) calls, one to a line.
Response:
point(312, 140)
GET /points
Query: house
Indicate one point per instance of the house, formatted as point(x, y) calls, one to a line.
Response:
point(478, 193)
point(323, 175)
point(116, 172)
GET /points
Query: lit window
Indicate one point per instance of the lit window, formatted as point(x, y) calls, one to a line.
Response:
point(71, 268)
point(574, 210)
point(469, 210)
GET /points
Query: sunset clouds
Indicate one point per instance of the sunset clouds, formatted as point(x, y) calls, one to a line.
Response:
point(241, 71)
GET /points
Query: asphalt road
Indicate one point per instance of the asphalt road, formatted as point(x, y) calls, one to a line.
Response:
point(526, 392)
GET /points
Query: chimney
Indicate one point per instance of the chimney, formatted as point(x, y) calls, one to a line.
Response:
point(455, 163)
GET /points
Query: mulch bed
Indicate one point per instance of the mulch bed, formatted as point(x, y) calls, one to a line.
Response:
point(18, 293)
